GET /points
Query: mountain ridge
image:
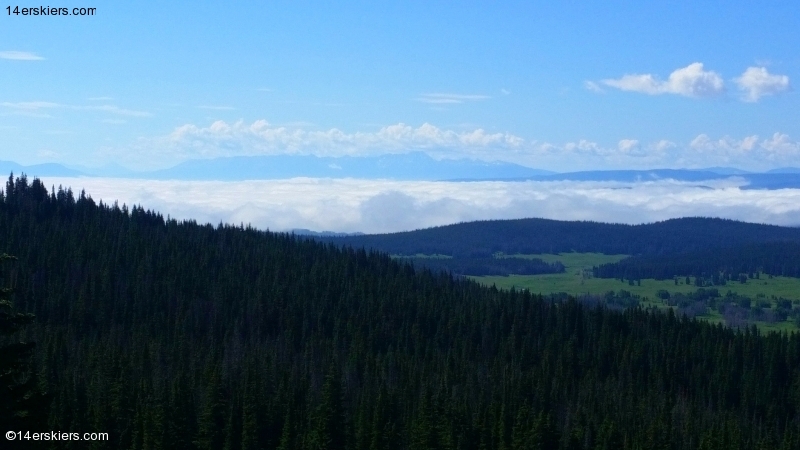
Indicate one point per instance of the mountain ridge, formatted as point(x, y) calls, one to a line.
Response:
point(413, 166)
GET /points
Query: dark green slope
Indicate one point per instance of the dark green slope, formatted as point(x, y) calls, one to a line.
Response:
point(771, 258)
point(530, 236)
point(176, 335)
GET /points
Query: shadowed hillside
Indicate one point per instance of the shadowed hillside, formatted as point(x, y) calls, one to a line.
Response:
point(532, 236)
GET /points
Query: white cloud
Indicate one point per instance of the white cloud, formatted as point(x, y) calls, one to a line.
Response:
point(663, 145)
point(384, 206)
point(20, 56)
point(727, 144)
point(757, 82)
point(593, 86)
point(114, 110)
point(780, 144)
point(239, 138)
point(262, 138)
point(584, 146)
point(750, 152)
point(628, 145)
point(443, 99)
point(689, 81)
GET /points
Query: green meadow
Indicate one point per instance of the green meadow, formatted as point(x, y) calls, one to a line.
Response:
point(577, 280)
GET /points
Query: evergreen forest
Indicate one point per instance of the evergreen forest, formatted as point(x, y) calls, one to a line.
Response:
point(717, 264)
point(179, 335)
point(537, 236)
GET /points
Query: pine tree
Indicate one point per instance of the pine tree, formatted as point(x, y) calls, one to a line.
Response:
point(211, 424)
point(328, 432)
point(22, 405)
point(545, 435)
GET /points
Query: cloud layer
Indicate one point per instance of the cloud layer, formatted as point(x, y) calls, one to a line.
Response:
point(373, 206)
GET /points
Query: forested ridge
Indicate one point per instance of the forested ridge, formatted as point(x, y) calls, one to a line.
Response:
point(171, 334)
point(771, 258)
point(535, 236)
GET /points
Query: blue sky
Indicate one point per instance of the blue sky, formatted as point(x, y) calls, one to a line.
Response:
point(556, 85)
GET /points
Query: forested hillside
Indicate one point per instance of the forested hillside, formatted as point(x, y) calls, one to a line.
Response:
point(177, 335)
point(534, 236)
point(771, 258)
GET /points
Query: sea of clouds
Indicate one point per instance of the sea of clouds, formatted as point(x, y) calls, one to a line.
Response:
point(376, 206)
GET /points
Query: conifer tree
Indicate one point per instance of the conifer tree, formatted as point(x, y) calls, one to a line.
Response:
point(328, 429)
point(22, 405)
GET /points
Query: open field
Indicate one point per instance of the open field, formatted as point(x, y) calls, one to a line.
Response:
point(578, 280)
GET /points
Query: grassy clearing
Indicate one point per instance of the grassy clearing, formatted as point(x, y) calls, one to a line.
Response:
point(577, 279)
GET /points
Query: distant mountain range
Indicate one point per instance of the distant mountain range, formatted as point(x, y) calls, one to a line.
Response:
point(408, 166)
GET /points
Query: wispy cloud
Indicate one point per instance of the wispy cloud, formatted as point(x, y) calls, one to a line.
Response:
point(20, 56)
point(39, 105)
point(449, 99)
point(114, 110)
point(757, 82)
point(690, 81)
point(30, 106)
point(593, 86)
point(384, 206)
point(217, 108)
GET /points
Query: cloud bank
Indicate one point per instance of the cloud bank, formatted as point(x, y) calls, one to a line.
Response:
point(373, 206)
point(262, 138)
point(222, 139)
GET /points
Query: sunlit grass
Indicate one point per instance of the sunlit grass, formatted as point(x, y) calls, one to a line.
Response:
point(578, 280)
